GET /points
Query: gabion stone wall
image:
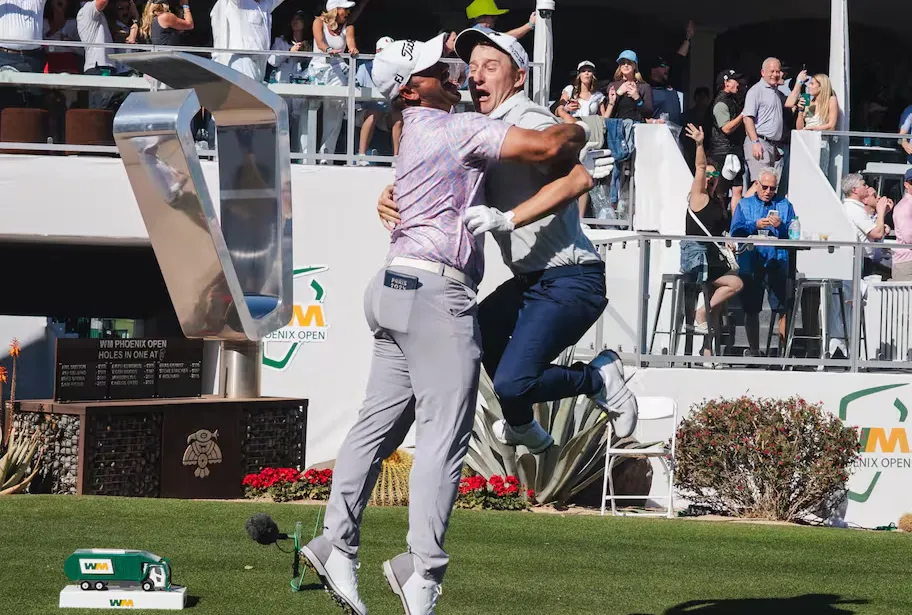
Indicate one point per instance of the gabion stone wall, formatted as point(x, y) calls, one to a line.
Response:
point(123, 454)
point(59, 437)
point(273, 438)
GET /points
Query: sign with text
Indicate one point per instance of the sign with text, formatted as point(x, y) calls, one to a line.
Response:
point(98, 369)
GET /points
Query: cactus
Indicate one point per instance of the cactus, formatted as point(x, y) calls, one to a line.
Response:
point(576, 460)
point(392, 488)
point(19, 455)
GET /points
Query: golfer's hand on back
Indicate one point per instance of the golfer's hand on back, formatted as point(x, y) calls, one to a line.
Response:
point(387, 209)
point(480, 219)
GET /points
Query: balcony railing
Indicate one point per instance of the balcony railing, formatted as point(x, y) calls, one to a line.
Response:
point(316, 93)
point(879, 337)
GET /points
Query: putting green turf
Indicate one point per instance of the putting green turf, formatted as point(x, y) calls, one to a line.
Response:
point(502, 563)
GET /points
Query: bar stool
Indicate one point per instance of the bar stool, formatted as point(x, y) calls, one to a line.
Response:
point(827, 287)
point(683, 303)
point(89, 127)
point(19, 125)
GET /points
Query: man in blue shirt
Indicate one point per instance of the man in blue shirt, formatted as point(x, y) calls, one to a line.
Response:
point(765, 268)
point(905, 127)
point(665, 99)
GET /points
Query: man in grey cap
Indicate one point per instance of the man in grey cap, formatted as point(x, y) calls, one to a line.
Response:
point(558, 289)
point(422, 311)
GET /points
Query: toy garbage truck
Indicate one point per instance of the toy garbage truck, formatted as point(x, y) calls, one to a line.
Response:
point(93, 569)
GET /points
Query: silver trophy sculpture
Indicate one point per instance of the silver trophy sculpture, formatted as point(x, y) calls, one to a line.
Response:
point(228, 269)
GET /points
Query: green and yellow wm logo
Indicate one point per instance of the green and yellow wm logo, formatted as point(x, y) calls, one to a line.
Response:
point(308, 321)
point(883, 442)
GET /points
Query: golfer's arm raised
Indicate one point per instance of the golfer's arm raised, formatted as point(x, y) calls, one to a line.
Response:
point(559, 142)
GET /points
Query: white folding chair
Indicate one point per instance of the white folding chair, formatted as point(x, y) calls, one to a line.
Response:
point(651, 409)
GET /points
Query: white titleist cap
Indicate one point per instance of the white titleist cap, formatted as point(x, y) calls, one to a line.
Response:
point(383, 42)
point(396, 64)
point(467, 40)
point(339, 4)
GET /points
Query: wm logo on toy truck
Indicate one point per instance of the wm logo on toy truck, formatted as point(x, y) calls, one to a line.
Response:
point(96, 566)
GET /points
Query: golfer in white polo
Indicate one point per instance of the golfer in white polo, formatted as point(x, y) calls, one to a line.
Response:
point(422, 311)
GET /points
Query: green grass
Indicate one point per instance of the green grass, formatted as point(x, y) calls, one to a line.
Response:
point(501, 562)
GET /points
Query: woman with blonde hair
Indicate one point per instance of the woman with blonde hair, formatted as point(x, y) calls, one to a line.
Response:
point(822, 112)
point(629, 96)
point(162, 27)
point(332, 35)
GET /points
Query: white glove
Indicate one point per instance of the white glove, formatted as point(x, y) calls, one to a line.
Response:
point(599, 162)
point(480, 219)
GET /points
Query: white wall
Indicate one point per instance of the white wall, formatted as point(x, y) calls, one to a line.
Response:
point(819, 209)
point(335, 226)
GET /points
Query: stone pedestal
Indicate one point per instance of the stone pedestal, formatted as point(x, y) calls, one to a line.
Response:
point(181, 448)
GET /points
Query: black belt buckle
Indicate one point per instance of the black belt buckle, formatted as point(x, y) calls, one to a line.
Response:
point(399, 281)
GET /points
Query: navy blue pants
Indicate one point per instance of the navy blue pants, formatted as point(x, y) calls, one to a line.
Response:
point(527, 322)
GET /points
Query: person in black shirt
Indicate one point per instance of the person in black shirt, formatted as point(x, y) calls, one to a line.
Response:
point(726, 132)
point(705, 262)
point(629, 96)
point(162, 27)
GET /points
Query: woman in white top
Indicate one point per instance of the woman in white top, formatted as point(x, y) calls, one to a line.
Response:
point(289, 69)
point(581, 98)
point(333, 35)
point(823, 111)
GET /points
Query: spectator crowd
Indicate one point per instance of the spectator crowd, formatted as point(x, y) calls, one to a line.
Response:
point(735, 137)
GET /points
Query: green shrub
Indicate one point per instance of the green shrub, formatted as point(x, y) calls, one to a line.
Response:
point(764, 458)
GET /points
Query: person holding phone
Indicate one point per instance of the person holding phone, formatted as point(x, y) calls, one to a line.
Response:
point(765, 269)
point(581, 98)
point(818, 108)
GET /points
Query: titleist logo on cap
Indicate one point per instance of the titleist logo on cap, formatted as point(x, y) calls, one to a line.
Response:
point(408, 50)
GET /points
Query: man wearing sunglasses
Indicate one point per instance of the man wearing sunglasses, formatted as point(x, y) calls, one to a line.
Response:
point(765, 268)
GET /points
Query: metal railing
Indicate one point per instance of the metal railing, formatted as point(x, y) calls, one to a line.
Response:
point(645, 313)
point(353, 94)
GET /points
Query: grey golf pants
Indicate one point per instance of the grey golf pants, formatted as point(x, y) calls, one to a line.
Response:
point(425, 369)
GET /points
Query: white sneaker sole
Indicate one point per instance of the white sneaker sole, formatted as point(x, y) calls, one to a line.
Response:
point(395, 586)
point(541, 448)
point(313, 562)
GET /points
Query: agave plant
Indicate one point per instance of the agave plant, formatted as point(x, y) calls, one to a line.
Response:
point(576, 460)
point(19, 456)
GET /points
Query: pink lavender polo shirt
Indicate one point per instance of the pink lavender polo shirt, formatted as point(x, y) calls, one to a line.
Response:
point(902, 221)
point(439, 173)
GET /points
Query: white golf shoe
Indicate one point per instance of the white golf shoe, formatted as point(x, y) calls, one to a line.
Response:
point(418, 595)
point(531, 435)
point(337, 573)
point(615, 398)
